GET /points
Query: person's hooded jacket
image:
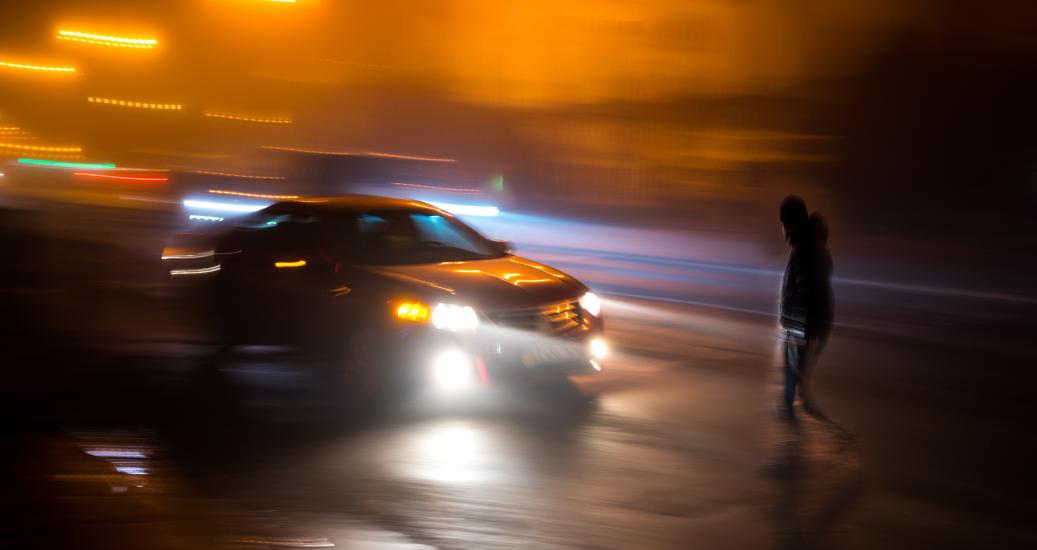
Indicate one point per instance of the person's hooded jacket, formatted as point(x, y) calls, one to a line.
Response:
point(806, 290)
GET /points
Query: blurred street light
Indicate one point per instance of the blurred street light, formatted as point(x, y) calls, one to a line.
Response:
point(136, 104)
point(144, 179)
point(37, 68)
point(58, 164)
point(250, 118)
point(253, 195)
point(41, 148)
point(234, 175)
point(316, 151)
point(105, 40)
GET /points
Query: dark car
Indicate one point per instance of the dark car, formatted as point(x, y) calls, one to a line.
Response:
point(401, 293)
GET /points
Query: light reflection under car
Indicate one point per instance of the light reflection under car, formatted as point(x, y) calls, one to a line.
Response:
point(452, 451)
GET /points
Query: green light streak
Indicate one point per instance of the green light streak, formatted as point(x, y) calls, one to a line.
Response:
point(59, 164)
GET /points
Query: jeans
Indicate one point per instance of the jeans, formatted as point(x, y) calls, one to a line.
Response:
point(800, 354)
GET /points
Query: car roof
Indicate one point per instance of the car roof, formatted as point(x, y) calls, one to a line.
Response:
point(354, 203)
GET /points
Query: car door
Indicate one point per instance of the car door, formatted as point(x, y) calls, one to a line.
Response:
point(276, 278)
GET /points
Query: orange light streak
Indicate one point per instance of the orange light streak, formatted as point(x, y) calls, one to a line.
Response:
point(249, 118)
point(41, 148)
point(41, 68)
point(104, 40)
point(136, 104)
point(356, 153)
point(151, 179)
point(253, 195)
point(233, 175)
point(408, 157)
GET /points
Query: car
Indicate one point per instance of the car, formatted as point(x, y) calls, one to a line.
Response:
point(399, 293)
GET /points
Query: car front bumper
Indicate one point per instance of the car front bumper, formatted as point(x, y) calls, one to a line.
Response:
point(446, 361)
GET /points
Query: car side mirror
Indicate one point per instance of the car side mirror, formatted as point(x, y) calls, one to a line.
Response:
point(503, 246)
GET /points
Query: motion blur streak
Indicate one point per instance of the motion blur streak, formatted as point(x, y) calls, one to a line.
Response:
point(137, 104)
point(225, 206)
point(43, 148)
point(235, 175)
point(290, 264)
point(408, 157)
point(154, 179)
point(319, 151)
point(103, 40)
point(195, 271)
point(434, 188)
point(250, 118)
point(40, 68)
point(186, 256)
point(254, 195)
point(284, 542)
point(117, 453)
point(66, 165)
point(52, 157)
point(466, 209)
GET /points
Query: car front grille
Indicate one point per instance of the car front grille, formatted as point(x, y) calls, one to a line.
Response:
point(555, 319)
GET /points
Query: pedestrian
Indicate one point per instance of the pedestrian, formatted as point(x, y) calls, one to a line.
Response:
point(821, 307)
point(806, 307)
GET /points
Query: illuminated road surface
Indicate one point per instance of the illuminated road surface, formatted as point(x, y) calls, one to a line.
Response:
point(674, 445)
point(677, 448)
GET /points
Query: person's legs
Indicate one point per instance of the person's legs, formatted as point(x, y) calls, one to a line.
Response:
point(806, 372)
point(795, 354)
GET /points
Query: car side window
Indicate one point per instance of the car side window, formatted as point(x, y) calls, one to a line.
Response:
point(433, 228)
point(275, 232)
point(295, 235)
point(383, 237)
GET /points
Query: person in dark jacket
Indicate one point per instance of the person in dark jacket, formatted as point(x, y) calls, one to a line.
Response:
point(806, 309)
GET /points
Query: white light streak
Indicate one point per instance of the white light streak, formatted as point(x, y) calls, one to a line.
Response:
point(205, 218)
point(467, 209)
point(223, 206)
point(198, 271)
point(434, 188)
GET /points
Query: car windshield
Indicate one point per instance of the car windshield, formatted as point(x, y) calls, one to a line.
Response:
point(415, 237)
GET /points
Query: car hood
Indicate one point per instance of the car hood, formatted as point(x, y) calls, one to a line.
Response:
point(498, 283)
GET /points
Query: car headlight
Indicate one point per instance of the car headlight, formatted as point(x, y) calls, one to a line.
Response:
point(451, 369)
point(454, 318)
point(599, 348)
point(590, 303)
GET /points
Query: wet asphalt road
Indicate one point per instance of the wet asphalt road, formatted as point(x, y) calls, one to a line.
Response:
point(674, 445)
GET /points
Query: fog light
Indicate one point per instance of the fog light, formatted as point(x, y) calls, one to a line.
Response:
point(451, 369)
point(599, 349)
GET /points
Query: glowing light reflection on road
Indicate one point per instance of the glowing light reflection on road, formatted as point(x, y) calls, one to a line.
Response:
point(451, 452)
